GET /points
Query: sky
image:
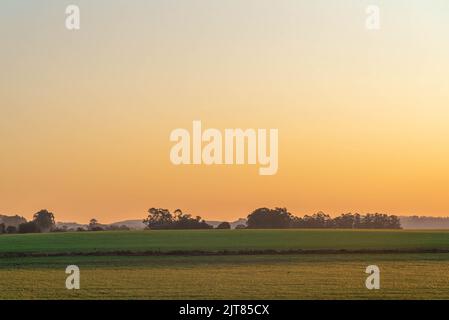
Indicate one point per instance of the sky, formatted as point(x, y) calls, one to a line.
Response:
point(85, 116)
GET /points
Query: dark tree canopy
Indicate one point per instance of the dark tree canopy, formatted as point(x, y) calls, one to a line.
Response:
point(159, 218)
point(94, 225)
point(44, 220)
point(264, 218)
point(224, 225)
point(11, 229)
point(280, 218)
point(29, 227)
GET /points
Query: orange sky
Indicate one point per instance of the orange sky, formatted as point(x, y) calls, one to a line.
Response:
point(85, 116)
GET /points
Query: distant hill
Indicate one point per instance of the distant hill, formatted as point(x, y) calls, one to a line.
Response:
point(132, 224)
point(70, 225)
point(12, 220)
point(416, 222)
point(233, 224)
point(139, 225)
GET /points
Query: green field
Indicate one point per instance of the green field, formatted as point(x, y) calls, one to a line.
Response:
point(234, 276)
point(219, 240)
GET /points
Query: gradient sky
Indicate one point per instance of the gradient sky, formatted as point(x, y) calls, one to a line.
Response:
point(85, 116)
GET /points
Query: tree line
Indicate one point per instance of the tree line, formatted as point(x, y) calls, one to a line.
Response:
point(159, 218)
point(277, 218)
point(261, 218)
point(280, 218)
point(44, 221)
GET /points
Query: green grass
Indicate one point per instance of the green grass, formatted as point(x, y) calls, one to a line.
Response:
point(217, 240)
point(405, 276)
point(300, 276)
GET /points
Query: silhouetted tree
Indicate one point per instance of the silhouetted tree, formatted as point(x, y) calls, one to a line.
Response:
point(29, 227)
point(357, 221)
point(11, 229)
point(345, 221)
point(94, 225)
point(394, 222)
point(2, 228)
point(158, 218)
point(186, 221)
point(162, 219)
point(44, 220)
point(277, 218)
point(224, 225)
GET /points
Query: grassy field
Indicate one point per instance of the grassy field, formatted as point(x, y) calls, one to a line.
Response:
point(292, 276)
point(217, 240)
point(414, 276)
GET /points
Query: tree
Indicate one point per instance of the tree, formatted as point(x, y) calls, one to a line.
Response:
point(2, 228)
point(224, 225)
point(186, 221)
point(44, 220)
point(94, 225)
point(11, 229)
point(320, 220)
point(394, 222)
point(357, 221)
point(240, 226)
point(344, 221)
point(269, 218)
point(177, 214)
point(159, 218)
point(29, 227)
